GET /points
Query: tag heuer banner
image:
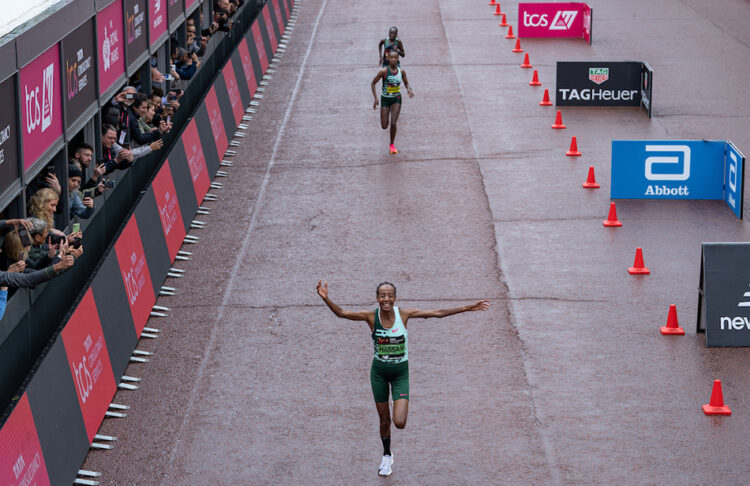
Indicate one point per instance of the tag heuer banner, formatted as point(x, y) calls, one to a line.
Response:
point(691, 169)
point(724, 294)
point(554, 20)
point(593, 83)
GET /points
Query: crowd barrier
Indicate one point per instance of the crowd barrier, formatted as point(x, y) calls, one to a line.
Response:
point(49, 431)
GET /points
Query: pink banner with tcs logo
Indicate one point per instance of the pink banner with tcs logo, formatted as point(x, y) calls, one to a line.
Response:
point(169, 210)
point(21, 459)
point(41, 113)
point(571, 19)
point(89, 362)
point(135, 275)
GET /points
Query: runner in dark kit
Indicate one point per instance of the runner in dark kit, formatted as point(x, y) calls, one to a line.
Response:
point(390, 363)
point(390, 98)
point(391, 43)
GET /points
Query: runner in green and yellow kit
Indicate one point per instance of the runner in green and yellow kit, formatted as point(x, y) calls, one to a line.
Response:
point(390, 365)
point(390, 98)
point(390, 43)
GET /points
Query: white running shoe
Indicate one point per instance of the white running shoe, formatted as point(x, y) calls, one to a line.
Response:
point(385, 465)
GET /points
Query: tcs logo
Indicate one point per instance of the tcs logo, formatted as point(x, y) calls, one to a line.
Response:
point(563, 20)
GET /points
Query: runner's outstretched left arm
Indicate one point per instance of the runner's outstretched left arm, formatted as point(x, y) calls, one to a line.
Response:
point(481, 305)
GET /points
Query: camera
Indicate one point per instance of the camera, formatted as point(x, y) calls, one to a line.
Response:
point(108, 183)
point(129, 96)
point(24, 235)
point(88, 193)
point(56, 238)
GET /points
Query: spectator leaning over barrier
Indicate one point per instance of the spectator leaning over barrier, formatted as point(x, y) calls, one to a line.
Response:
point(43, 252)
point(43, 205)
point(11, 245)
point(116, 157)
point(82, 157)
point(127, 120)
point(12, 276)
point(83, 209)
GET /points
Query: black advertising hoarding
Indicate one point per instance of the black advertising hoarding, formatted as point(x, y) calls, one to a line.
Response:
point(136, 40)
point(79, 73)
point(724, 298)
point(114, 313)
point(647, 81)
point(8, 135)
point(595, 83)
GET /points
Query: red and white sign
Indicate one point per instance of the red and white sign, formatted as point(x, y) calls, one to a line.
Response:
point(157, 19)
point(169, 210)
point(259, 45)
point(41, 113)
point(90, 367)
point(21, 459)
point(554, 20)
point(247, 67)
point(217, 123)
point(196, 161)
point(110, 41)
point(135, 275)
point(234, 92)
point(269, 27)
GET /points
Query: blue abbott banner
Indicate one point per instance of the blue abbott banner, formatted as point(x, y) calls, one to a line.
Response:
point(685, 169)
point(734, 175)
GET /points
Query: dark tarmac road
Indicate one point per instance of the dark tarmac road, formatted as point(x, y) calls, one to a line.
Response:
point(565, 380)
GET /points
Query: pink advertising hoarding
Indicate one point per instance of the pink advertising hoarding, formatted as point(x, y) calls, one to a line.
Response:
point(109, 39)
point(21, 459)
point(41, 113)
point(157, 19)
point(554, 20)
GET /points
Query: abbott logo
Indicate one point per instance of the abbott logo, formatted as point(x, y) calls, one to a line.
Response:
point(563, 20)
point(671, 160)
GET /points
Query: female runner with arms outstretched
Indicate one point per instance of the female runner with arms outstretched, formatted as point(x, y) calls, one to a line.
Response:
point(390, 364)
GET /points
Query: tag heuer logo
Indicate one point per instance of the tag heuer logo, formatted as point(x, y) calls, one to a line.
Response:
point(598, 75)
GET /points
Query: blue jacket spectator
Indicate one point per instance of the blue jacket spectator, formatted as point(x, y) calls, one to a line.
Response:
point(83, 209)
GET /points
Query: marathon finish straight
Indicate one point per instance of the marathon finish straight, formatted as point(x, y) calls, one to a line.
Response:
point(603, 83)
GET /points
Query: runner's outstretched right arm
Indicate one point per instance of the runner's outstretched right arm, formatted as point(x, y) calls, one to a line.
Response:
point(367, 316)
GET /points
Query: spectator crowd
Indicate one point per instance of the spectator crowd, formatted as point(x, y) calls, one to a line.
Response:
point(35, 249)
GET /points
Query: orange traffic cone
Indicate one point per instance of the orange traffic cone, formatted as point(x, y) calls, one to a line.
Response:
point(672, 328)
point(497, 10)
point(716, 405)
point(573, 151)
point(612, 217)
point(558, 121)
point(535, 79)
point(591, 180)
point(526, 63)
point(510, 33)
point(638, 268)
point(545, 99)
point(503, 23)
point(518, 46)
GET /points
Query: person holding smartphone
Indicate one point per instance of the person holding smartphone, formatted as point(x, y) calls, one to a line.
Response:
point(81, 208)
